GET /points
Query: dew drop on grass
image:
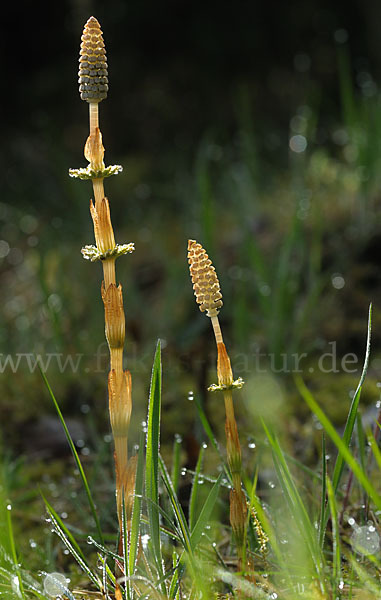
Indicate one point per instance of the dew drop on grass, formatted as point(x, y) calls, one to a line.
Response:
point(9, 506)
point(205, 445)
point(16, 585)
point(365, 540)
point(55, 584)
point(32, 543)
point(183, 472)
point(190, 396)
point(351, 522)
point(271, 485)
point(251, 445)
point(178, 438)
point(145, 539)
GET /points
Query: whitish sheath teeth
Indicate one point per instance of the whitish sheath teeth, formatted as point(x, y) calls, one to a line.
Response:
point(92, 76)
point(204, 278)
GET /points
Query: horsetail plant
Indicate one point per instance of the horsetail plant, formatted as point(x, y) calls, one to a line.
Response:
point(93, 88)
point(208, 295)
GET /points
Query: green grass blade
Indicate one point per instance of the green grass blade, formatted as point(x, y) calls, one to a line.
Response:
point(351, 419)
point(336, 563)
point(361, 442)
point(13, 551)
point(374, 447)
point(63, 527)
point(62, 535)
point(175, 472)
point(137, 509)
point(295, 503)
point(152, 461)
point(76, 458)
point(209, 432)
point(323, 493)
point(207, 427)
point(175, 581)
point(176, 506)
point(195, 485)
point(341, 446)
point(205, 514)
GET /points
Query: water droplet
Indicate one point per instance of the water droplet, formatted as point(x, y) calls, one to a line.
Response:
point(351, 522)
point(9, 506)
point(341, 584)
point(298, 143)
point(183, 472)
point(190, 396)
point(273, 596)
point(338, 281)
point(178, 438)
point(378, 403)
point(271, 485)
point(16, 585)
point(365, 541)
point(32, 543)
point(144, 426)
point(251, 445)
point(145, 539)
point(64, 515)
point(89, 540)
point(205, 445)
point(55, 584)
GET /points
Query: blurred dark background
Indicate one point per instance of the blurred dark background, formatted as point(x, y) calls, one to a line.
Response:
point(253, 127)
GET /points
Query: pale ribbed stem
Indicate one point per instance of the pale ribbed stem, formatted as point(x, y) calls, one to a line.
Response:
point(94, 116)
point(109, 271)
point(99, 192)
point(109, 274)
point(116, 360)
point(217, 330)
point(229, 408)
